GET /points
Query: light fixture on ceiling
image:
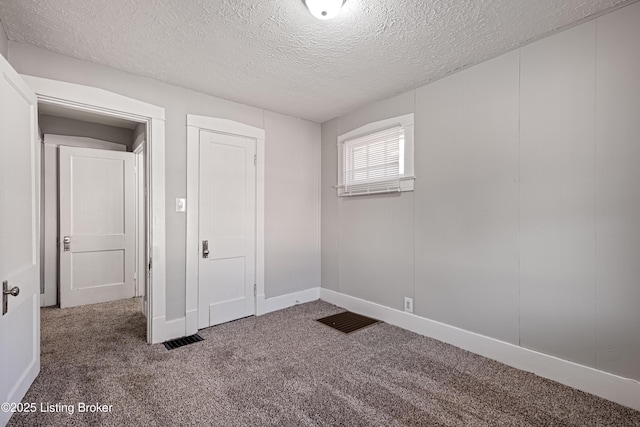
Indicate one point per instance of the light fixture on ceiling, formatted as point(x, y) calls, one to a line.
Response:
point(324, 9)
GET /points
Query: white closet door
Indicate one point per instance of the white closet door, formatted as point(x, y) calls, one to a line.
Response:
point(97, 226)
point(227, 225)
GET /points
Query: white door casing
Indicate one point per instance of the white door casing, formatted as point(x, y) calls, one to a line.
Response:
point(19, 237)
point(227, 225)
point(97, 215)
point(141, 227)
point(195, 124)
point(95, 100)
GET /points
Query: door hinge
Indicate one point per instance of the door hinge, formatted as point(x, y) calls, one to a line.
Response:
point(255, 160)
point(255, 290)
point(150, 263)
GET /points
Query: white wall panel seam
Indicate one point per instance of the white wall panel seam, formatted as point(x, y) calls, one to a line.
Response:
point(415, 144)
point(519, 192)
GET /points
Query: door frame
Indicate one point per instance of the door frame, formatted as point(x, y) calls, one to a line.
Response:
point(50, 196)
point(223, 126)
point(141, 226)
point(94, 100)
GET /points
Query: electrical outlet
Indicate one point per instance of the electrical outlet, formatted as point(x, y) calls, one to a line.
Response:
point(408, 304)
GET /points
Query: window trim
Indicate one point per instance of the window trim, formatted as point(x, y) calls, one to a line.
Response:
point(407, 123)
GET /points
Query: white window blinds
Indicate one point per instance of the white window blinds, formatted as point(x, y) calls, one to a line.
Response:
point(374, 163)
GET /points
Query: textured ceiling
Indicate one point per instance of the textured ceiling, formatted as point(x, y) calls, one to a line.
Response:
point(273, 54)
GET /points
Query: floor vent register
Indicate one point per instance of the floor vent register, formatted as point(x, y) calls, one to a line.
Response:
point(347, 322)
point(173, 344)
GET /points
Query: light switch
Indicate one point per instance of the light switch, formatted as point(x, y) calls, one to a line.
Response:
point(181, 205)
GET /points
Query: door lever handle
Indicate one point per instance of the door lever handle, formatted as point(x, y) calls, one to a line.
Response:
point(205, 249)
point(15, 291)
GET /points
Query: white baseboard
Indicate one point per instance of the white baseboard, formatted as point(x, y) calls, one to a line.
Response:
point(174, 328)
point(267, 305)
point(164, 330)
point(618, 389)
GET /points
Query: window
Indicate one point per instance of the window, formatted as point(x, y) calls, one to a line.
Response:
point(377, 158)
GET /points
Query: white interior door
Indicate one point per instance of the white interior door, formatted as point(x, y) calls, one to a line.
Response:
point(227, 225)
point(19, 237)
point(97, 226)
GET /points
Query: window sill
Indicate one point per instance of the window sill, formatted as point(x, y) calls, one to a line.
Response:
point(406, 184)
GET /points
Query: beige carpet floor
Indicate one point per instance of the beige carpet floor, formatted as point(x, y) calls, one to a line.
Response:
point(286, 369)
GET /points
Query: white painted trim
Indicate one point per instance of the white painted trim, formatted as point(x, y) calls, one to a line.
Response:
point(170, 329)
point(73, 95)
point(407, 122)
point(141, 229)
point(194, 125)
point(191, 322)
point(193, 208)
point(139, 149)
point(618, 389)
point(267, 305)
point(404, 121)
point(49, 225)
point(224, 126)
point(260, 227)
point(100, 101)
point(155, 157)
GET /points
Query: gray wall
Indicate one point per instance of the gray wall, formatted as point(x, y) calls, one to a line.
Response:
point(374, 259)
point(65, 126)
point(292, 204)
point(4, 44)
point(467, 201)
point(617, 164)
point(282, 133)
point(557, 195)
point(525, 220)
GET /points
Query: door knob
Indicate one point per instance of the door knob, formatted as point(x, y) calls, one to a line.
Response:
point(15, 291)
